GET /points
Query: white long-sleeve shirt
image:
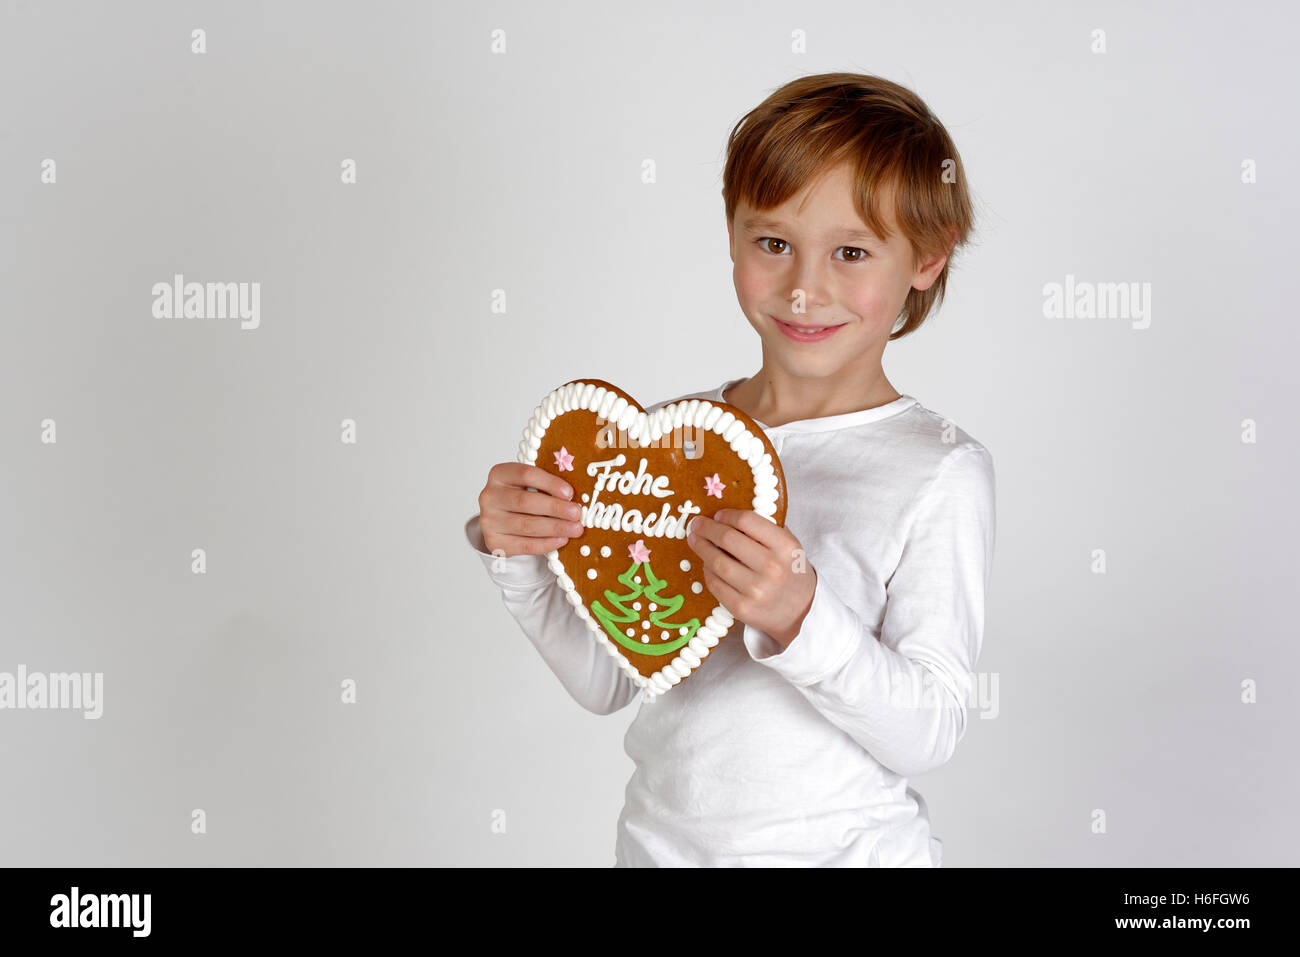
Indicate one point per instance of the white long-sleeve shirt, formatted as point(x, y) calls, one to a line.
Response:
point(765, 757)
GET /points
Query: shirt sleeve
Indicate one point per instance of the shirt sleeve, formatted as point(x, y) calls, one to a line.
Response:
point(902, 697)
point(535, 600)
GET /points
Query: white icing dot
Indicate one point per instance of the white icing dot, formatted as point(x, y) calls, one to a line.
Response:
point(686, 566)
point(645, 637)
point(653, 606)
point(591, 573)
point(604, 551)
point(645, 624)
point(697, 587)
point(636, 606)
point(630, 632)
point(663, 636)
point(585, 496)
point(637, 579)
point(584, 551)
point(683, 630)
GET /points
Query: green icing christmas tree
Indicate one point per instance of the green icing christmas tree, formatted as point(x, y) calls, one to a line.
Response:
point(668, 606)
point(614, 622)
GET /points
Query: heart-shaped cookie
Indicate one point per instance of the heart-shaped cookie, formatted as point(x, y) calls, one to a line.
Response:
point(641, 478)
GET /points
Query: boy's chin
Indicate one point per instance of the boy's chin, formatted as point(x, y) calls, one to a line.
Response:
point(805, 367)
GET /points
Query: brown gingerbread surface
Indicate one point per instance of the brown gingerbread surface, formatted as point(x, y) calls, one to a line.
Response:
point(654, 590)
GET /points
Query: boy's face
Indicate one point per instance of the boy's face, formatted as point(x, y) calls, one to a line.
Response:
point(817, 243)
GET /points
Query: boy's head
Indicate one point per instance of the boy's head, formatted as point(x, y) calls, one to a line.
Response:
point(845, 199)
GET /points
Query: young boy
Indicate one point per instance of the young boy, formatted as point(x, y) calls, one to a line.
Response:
point(794, 741)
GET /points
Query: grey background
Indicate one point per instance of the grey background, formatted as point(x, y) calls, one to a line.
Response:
point(522, 172)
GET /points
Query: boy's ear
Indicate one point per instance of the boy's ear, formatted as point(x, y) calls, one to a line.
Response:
point(731, 233)
point(927, 272)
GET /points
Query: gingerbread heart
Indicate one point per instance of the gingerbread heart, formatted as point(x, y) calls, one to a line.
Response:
point(641, 479)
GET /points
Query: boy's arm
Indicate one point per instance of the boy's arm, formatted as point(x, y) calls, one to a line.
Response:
point(535, 600)
point(903, 697)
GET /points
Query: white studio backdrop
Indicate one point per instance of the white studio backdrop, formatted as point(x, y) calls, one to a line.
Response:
point(252, 528)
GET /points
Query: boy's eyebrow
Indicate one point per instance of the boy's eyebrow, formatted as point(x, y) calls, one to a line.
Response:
point(852, 232)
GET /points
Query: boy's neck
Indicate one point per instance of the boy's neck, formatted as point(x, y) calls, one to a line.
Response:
point(777, 403)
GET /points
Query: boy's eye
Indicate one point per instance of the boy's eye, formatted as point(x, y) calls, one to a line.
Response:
point(766, 242)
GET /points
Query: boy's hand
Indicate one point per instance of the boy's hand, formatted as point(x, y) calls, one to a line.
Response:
point(516, 520)
point(765, 581)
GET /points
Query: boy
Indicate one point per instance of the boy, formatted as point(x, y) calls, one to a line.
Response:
point(847, 673)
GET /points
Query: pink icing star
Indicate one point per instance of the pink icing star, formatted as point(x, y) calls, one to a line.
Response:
point(638, 551)
point(564, 459)
point(714, 485)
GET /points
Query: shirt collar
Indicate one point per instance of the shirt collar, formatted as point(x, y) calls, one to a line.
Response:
point(828, 423)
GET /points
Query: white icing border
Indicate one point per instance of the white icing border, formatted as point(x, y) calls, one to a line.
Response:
point(645, 428)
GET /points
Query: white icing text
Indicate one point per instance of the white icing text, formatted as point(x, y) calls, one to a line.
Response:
point(599, 514)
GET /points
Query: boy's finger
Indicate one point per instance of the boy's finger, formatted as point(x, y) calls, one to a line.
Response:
point(731, 540)
point(528, 502)
point(515, 545)
point(721, 563)
point(540, 526)
point(530, 476)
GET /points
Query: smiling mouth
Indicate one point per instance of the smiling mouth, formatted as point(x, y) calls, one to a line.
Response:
point(807, 329)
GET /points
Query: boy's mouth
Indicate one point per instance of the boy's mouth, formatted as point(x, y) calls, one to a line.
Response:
point(802, 333)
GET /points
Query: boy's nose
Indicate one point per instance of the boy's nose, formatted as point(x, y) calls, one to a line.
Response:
point(811, 280)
